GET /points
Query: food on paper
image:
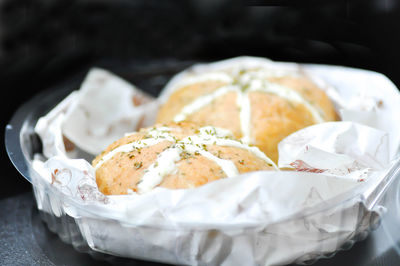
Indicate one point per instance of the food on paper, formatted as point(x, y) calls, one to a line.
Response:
point(260, 217)
point(174, 156)
point(260, 102)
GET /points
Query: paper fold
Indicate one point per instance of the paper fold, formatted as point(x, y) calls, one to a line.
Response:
point(330, 158)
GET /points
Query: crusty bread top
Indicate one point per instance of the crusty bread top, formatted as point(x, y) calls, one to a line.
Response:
point(174, 156)
point(259, 106)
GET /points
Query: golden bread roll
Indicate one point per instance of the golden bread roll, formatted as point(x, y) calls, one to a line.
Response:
point(174, 156)
point(259, 104)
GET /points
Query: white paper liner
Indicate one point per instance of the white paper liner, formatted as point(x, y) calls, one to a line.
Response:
point(105, 109)
point(336, 147)
point(232, 220)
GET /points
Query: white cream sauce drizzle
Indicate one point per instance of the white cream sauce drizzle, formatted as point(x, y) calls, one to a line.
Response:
point(164, 165)
point(202, 101)
point(128, 148)
point(243, 103)
point(156, 136)
point(166, 161)
point(227, 166)
point(253, 80)
point(286, 93)
point(211, 140)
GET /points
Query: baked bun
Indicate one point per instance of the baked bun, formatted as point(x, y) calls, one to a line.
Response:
point(260, 102)
point(174, 156)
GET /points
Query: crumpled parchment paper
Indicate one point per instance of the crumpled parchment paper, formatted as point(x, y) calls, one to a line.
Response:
point(259, 218)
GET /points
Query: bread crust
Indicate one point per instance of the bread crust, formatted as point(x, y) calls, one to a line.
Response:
point(124, 170)
point(272, 117)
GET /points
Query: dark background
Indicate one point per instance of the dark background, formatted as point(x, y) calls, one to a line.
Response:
point(43, 43)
